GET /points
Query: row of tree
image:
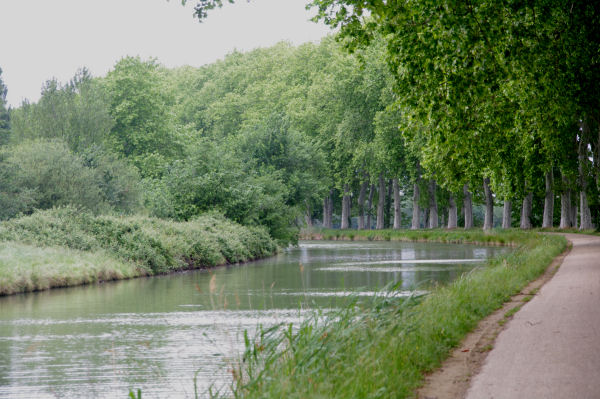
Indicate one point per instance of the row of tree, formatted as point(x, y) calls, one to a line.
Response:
point(436, 108)
point(498, 97)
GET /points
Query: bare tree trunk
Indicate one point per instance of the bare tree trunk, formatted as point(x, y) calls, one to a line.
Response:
point(328, 211)
point(574, 220)
point(345, 207)
point(370, 205)
point(468, 206)
point(452, 213)
point(433, 208)
point(584, 209)
point(549, 201)
point(389, 205)
point(397, 208)
point(361, 204)
point(325, 208)
point(416, 220)
point(489, 205)
point(586, 215)
point(507, 214)
point(308, 215)
point(565, 205)
point(381, 203)
point(526, 211)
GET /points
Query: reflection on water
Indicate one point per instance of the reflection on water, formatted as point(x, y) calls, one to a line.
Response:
point(157, 333)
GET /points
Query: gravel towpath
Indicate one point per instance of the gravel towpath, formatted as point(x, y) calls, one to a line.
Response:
point(551, 348)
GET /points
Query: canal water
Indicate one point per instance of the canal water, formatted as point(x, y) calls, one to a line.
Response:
point(161, 334)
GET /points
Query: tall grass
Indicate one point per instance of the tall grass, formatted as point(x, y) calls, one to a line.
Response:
point(25, 268)
point(383, 348)
point(146, 245)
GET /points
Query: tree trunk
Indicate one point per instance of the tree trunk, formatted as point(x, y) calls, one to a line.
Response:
point(345, 208)
point(389, 205)
point(574, 219)
point(416, 220)
point(452, 213)
point(370, 206)
point(397, 209)
point(308, 215)
point(526, 211)
point(468, 206)
point(584, 209)
point(489, 205)
point(586, 215)
point(507, 214)
point(381, 203)
point(361, 205)
point(433, 208)
point(565, 205)
point(328, 211)
point(549, 201)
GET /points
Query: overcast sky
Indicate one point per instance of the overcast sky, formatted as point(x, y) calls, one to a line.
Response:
point(42, 39)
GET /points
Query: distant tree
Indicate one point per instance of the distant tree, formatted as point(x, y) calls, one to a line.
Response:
point(77, 113)
point(4, 115)
point(143, 131)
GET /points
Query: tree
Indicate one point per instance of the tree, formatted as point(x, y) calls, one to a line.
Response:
point(143, 130)
point(76, 113)
point(4, 115)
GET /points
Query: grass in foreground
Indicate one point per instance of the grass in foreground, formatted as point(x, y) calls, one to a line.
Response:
point(383, 349)
point(63, 247)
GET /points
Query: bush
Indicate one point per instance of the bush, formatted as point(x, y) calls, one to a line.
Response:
point(42, 174)
point(155, 245)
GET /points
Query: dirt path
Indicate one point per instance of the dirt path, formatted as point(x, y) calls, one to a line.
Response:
point(549, 349)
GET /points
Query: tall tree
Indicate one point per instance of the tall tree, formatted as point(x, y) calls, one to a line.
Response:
point(4, 115)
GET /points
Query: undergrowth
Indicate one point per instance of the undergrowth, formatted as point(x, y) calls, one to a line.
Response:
point(147, 245)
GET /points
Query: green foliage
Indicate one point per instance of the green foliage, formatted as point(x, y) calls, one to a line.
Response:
point(152, 245)
point(383, 348)
point(4, 115)
point(139, 106)
point(76, 113)
point(214, 178)
point(42, 174)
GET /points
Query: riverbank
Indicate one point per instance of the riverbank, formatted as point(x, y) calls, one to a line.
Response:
point(66, 247)
point(384, 348)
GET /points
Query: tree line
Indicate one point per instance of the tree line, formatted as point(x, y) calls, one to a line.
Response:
point(501, 96)
point(435, 109)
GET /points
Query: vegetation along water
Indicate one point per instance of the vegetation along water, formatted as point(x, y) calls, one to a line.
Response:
point(432, 118)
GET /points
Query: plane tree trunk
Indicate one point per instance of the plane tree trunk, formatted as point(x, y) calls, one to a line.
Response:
point(526, 211)
point(549, 201)
point(381, 204)
point(370, 205)
point(584, 209)
point(488, 222)
point(361, 204)
point(468, 207)
point(416, 212)
point(507, 214)
point(345, 208)
point(565, 205)
point(452, 213)
point(433, 207)
point(397, 208)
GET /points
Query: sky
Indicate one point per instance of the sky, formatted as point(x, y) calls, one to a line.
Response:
point(45, 39)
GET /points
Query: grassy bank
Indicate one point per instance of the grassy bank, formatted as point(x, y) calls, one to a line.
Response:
point(63, 247)
point(382, 349)
point(458, 236)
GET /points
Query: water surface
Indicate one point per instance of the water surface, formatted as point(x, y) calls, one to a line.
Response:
point(157, 333)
